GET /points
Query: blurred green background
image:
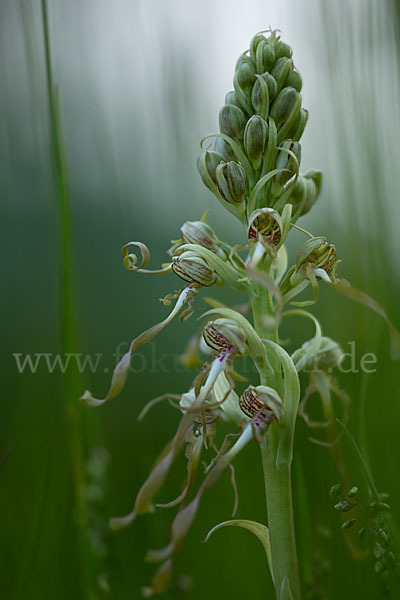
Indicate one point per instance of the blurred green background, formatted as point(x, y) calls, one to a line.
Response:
point(139, 83)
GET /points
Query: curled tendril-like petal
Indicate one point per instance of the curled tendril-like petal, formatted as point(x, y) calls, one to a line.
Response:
point(323, 384)
point(161, 580)
point(185, 517)
point(310, 391)
point(121, 370)
point(155, 401)
point(144, 499)
point(220, 451)
point(130, 260)
point(192, 453)
point(187, 313)
point(235, 490)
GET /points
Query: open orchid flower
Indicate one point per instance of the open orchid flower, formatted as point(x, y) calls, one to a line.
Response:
point(320, 363)
point(229, 341)
point(260, 406)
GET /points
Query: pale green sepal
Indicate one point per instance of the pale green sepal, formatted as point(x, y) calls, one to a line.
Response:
point(228, 400)
point(279, 265)
point(252, 202)
point(212, 186)
point(291, 398)
point(315, 344)
point(227, 273)
point(238, 152)
point(271, 149)
point(259, 530)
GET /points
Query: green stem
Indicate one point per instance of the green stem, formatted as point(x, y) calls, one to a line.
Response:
point(71, 379)
point(278, 486)
point(278, 490)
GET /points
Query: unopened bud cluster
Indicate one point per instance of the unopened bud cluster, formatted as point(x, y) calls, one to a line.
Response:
point(260, 126)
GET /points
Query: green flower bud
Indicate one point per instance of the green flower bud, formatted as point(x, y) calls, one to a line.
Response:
point(336, 491)
point(261, 97)
point(318, 254)
point(207, 164)
point(348, 523)
point(232, 121)
point(264, 56)
point(305, 192)
point(295, 81)
point(255, 137)
point(198, 232)
point(268, 56)
point(245, 72)
point(192, 268)
point(344, 506)
point(224, 149)
point(286, 161)
point(282, 49)
point(284, 104)
point(261, 403)
point(313, 181)
point(267, 224)
point(255, 43)
point(231, 181)
point(231, 98)
point(281, 70)
point(297, 129)
point(223, 334)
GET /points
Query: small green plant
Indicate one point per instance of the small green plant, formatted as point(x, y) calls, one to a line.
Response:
point(253, 170)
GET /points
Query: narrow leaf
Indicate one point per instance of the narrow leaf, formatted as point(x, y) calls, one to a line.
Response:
point(259, 530)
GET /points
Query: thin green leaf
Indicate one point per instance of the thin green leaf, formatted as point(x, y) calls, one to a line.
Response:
point(259, 530)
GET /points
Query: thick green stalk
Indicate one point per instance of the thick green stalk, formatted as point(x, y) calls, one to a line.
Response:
point(278, 486)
